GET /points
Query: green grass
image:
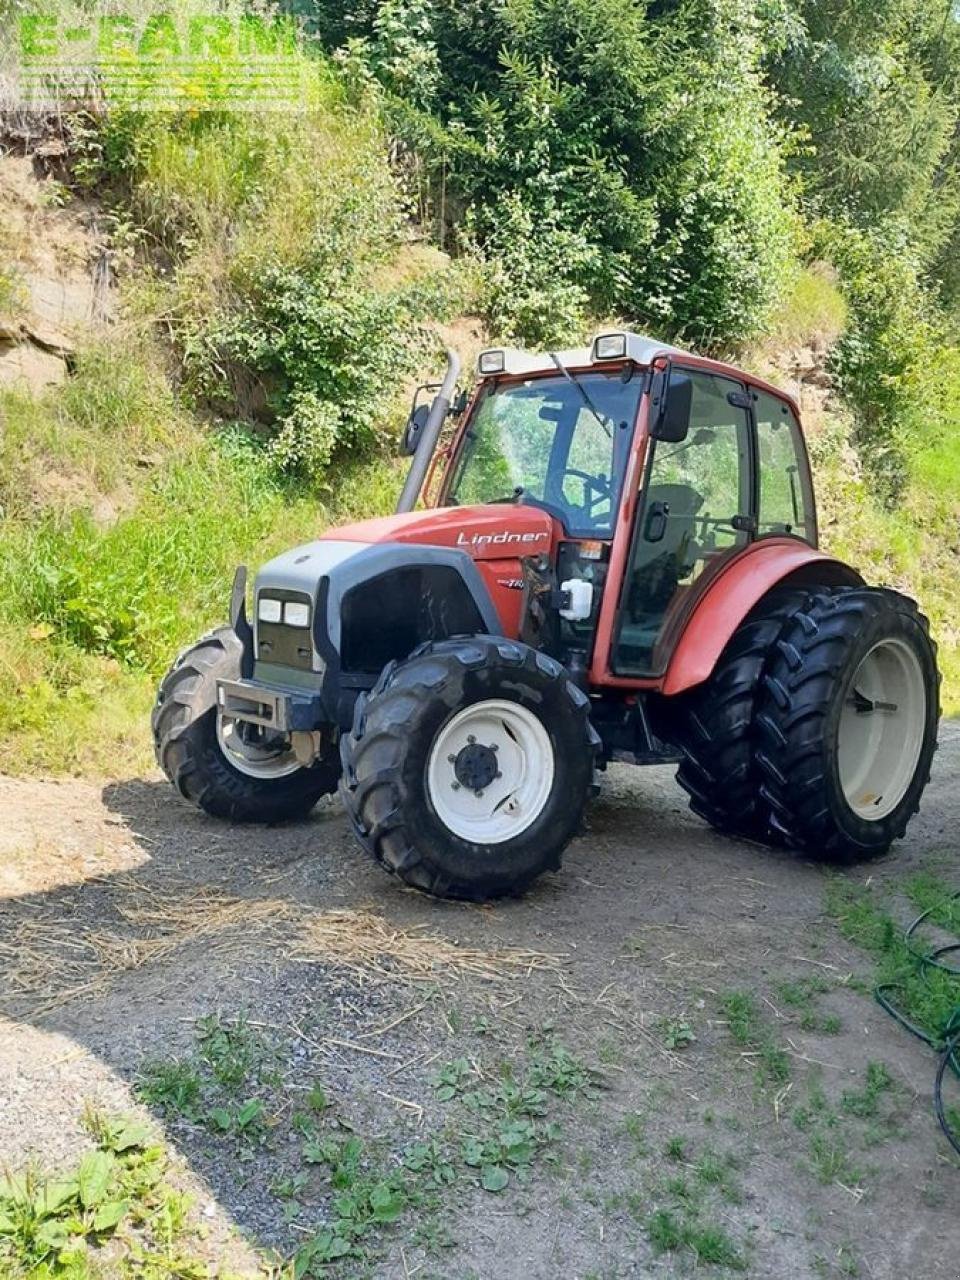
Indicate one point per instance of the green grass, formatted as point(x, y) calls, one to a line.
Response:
point(814, 310)
point(126, 520)
point(710, 1244)
point(800, 995)
point(501, 1128)
point(831, 1161)
point(864, 915)
point(865, 1103)
point(749, 1029)
point(910, 546)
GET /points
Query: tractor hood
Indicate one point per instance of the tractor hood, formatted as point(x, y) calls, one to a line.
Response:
point(496, 531)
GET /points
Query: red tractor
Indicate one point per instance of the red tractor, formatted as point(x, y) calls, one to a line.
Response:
point(619, 562)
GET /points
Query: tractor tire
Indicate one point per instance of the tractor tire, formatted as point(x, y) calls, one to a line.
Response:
point(847, 723)
point(190, 747)
point(714, 723)
point(468, 767)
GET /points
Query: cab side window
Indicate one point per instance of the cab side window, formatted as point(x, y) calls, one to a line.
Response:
point(786, 499)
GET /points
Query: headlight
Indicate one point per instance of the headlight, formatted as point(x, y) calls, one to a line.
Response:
point(296, 614)
point(269, 610)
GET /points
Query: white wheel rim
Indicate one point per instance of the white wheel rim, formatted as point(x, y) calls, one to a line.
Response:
point(506, 737)
point(881, 730)
point(255, 759)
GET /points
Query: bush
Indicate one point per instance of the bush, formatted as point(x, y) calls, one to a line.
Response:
point(533, 290)
point(881, 360)
point(278, 248)
point(613, 139)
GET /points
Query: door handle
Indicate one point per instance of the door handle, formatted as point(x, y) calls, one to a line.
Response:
point(744, 524)
point(655, 525)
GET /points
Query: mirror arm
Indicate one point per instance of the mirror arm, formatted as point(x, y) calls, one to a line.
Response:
point(430, 435)
point(659, 391)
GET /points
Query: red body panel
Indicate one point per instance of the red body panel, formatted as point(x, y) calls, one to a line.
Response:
point(495, 536)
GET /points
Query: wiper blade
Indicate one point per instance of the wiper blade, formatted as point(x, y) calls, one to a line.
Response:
point(575, 382)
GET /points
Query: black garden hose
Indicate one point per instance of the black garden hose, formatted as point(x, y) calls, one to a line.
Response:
point(947, 1043)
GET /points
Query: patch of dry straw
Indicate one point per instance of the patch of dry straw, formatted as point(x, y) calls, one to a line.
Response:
point(48, 962)
point(364, 941)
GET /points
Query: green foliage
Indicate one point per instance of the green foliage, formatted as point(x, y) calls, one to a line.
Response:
point(620, 139)
point(509, 1128)
point(874, 88)
point(812, 311)
point(881, 360)
point(11, 293)
point(284, 301)
point(135, 589)
point(217, 1084)
point(535, 291)
point(865, 1103)
point(116, 1200)
point(709, 1243)
point(912, 544)
point(677, 1033)
point(830, 1159)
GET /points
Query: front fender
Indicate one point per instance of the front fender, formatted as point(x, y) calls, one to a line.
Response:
point(731, 596)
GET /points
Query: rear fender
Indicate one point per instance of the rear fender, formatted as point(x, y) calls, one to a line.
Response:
point(731, 596)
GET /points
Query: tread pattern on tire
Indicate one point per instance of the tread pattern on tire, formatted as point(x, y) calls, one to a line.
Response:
point(719, 771)
point(797, 695)
point(371, 786)
point(184, 742)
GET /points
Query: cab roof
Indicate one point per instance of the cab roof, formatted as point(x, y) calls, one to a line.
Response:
point(638, 347)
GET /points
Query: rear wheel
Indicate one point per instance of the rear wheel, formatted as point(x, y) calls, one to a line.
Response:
point(468, 767)
point(228, 767)
point(847, 721)
point(714, 723)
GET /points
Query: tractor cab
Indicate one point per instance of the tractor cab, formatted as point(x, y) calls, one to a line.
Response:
point(662, 463)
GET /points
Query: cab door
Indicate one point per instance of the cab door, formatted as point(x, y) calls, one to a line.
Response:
point(697, 510)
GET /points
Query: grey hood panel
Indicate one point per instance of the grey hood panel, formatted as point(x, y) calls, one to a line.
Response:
point(345, 565)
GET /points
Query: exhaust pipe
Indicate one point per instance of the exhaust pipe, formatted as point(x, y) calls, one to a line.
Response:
point(431, 434)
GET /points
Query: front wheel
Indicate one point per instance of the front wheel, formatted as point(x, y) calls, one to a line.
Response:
point(847, 721)
point(468, 767)
point(227, 767)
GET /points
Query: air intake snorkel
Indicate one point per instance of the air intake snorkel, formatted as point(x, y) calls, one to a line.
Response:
point(429, 435)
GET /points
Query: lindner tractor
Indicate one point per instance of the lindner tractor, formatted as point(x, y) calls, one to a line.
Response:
point(615, 559)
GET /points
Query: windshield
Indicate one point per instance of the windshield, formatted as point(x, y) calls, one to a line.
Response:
point(563, 443)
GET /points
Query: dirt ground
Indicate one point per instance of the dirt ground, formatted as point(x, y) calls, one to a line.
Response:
point(125, 917)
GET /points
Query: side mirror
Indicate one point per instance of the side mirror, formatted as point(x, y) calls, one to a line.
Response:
point(671, 402)
point(411, 432)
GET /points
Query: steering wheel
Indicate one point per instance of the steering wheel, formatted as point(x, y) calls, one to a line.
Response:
point(595, 485)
